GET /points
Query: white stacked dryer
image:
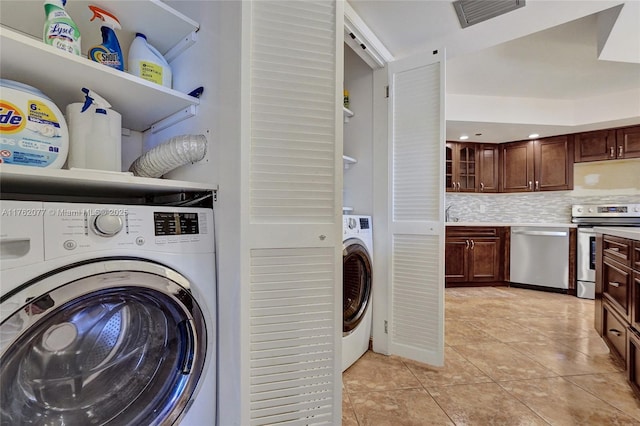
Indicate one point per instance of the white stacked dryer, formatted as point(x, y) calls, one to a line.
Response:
point(107, 314)
point(357, 255)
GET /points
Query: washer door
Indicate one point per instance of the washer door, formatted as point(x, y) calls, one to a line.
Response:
point(356, 283)
point(111, 342)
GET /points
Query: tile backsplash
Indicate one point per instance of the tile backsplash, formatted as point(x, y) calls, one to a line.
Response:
point(539, 207)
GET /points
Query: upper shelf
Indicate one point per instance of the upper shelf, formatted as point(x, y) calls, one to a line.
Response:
point(61, 76)
point(163, 26)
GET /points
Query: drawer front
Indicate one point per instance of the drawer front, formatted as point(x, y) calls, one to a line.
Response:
point(617, 248)
point(615, 331)
point(636, 256)
point(471, 231)
point(616, 284)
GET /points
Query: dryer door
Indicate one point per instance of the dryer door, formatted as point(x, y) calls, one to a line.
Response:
point(109, 342)
point(356, 283)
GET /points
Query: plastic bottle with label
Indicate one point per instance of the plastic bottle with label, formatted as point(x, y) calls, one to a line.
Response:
point(59, 29)
point(146, 62)
point(108, 53)
point(94, 134)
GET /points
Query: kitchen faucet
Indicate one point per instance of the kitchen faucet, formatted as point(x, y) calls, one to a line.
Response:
point(446, 213)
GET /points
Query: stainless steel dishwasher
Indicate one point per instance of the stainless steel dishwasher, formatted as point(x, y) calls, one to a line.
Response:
point(540, 256)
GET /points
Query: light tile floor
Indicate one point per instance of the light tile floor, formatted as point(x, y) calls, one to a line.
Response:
point(512, 357)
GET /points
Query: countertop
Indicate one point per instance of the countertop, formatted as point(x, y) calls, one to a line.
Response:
point(511, 224)
point(631, 232)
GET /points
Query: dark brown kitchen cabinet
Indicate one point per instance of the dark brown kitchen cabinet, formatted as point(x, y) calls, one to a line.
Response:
point(628, 142)
point(471, 167)
point(474, 256)
point(595, 146)
point(608, 144)
point(539, 165)
point(617, 301)
point(460, 164)
point(488, 168)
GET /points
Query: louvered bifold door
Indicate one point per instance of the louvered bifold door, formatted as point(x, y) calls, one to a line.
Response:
point(416, 196)
point(293, 270)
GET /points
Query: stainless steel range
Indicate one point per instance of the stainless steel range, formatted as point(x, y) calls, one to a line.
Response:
point(587, 216)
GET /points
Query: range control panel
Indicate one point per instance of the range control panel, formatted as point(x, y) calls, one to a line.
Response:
point(606, 210)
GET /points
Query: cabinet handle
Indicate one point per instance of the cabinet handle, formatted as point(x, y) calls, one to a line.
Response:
point(620, 153)
point(530, 187)
point(537, 185)
point(616, 332)
point(466, 244)
point(614, 248)
point(473, 244)
point(612, 153)
point(453, 186)
point(614, 284)
point(481, 187)
point(458, 186)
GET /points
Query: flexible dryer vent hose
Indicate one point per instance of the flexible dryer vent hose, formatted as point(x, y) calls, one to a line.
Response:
point(169, 155)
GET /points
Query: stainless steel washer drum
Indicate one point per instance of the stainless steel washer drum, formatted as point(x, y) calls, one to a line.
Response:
point(121, 347)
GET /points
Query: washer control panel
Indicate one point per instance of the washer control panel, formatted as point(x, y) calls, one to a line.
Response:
point(75, 228)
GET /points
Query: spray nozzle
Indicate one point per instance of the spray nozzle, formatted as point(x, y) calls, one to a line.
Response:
point(91, 97)
point(108, 18)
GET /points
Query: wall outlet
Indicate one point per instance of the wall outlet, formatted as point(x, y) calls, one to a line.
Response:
point(483, 208)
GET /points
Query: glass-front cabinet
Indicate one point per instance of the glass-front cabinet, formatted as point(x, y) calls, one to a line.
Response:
point(460, 167)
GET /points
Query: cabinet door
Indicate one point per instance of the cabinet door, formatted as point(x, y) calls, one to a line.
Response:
point(595, 146)
point(488, 168)
point(553, 164)
point(456, 259)
point(484, 263)
point(467, 171)
point(451, 163)
point(628, 140)
point(517, 167)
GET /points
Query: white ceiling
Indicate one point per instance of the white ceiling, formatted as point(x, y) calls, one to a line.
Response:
point(535, 69)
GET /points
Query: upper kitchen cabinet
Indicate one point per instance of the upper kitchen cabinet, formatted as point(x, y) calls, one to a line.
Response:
point(595, 146)
point(471, 167)
point(461, 168)
point(628, 142)
point(61, 76)
point(540, 165)
point(609, 144)
point(488, 168)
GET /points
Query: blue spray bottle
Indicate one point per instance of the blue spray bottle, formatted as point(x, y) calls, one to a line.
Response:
point(109, 52)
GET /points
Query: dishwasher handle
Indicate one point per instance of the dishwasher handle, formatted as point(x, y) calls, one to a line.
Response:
point(543, 233)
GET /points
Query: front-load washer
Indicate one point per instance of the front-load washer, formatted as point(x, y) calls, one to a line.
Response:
point(357, 254)
point(107, 314)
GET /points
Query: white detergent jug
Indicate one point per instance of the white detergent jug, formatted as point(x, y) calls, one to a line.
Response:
point(146, 62)
point(95, 134)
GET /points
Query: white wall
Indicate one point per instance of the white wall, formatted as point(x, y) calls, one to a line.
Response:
point(358, 134)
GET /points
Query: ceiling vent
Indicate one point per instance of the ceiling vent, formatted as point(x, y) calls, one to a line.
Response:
point(471, 12)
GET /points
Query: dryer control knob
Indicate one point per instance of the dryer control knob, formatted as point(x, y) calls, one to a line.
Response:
point(107, 225)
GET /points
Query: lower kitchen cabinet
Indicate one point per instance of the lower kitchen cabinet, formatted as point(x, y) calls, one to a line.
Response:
point(617, 301)
point(474, 256)
point(633, 361)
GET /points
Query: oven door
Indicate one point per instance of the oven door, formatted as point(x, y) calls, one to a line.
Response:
point(586, 262)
